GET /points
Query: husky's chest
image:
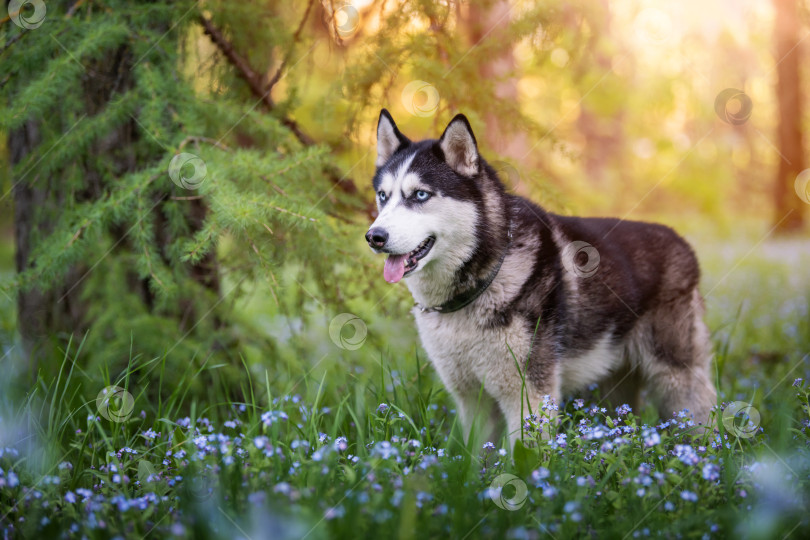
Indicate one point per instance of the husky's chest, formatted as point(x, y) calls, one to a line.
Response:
point(465, 353)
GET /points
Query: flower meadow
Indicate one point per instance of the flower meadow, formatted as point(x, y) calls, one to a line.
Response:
point(298, 469)
point(367, 445)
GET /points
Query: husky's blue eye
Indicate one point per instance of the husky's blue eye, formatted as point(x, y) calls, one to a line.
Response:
point(422, 195)
point(381, 195)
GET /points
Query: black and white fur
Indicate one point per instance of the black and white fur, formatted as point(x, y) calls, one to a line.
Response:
point(633, 321)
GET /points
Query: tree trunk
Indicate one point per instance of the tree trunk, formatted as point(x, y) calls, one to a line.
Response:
point(45, 314)
point(491, 23)
point(788, 206)
point(39, 313)
point(603, 130)
point(61, 310)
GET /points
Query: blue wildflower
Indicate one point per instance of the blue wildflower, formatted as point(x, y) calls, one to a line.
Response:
point(711, 472)
point(686, 454)
point(540, 474)
point(341, 444)
point(384, 450)
point(271, 417)
point(651, 437)
point(334, 512)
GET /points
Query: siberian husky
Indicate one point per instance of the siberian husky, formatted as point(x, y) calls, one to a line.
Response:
point(514, 303)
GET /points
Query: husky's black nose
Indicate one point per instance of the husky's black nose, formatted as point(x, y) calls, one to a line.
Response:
point(377, 237)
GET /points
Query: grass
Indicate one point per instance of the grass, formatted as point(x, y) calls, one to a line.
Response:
point(366, 444)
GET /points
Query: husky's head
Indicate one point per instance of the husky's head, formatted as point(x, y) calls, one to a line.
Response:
point(437, 200)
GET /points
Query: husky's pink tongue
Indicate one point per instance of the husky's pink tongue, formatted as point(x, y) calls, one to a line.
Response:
point(394, 268)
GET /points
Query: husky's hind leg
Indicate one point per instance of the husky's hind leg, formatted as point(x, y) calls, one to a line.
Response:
point(679, 375)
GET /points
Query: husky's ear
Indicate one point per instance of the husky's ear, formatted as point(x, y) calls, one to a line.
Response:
point(389, 139)
point(459, 146)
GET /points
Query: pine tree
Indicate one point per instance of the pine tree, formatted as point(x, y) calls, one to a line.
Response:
point(144, 203)
point(163, 165)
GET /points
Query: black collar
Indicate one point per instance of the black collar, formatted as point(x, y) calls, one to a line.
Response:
point(467, 297)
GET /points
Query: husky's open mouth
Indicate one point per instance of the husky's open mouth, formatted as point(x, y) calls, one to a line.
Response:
point(397, 266)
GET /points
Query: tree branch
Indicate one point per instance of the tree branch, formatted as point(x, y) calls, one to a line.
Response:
point(296, 36)
point(254, 82)
point(252, 79)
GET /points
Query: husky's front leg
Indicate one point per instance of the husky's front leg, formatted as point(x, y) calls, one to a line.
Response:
point(535, 392)
point(481, 419)
point(526, 389)
point(517, 408)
